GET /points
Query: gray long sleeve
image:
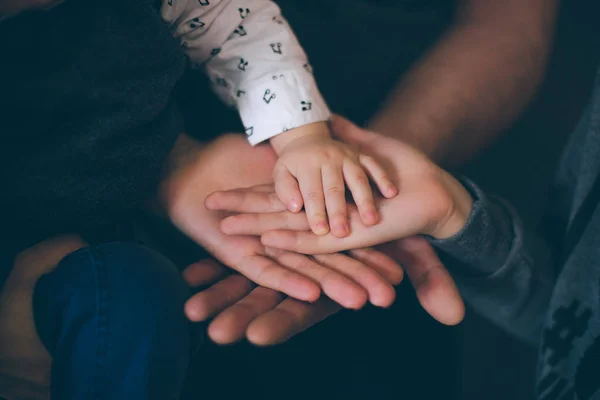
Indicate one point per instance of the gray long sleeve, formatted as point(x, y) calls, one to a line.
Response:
point(504, 272)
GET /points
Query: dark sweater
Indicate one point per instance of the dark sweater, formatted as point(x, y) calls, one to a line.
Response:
point(520, 279)
point(87, 117)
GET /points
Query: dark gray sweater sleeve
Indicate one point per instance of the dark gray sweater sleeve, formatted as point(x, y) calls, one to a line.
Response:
point(504, 272)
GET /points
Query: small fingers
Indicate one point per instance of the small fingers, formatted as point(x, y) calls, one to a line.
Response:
point(287, 189)
point(378, 175)
point(311, 186)
point(335, 200)
point(358, 183)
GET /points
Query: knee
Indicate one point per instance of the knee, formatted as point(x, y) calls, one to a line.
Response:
point(139, 280)
point(142, 278)
point(133, 289)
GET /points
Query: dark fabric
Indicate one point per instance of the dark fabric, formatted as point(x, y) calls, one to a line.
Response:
point(112, 317)
point(581, 220)
point(357, 59)
point(361, 56)
point(86, 115)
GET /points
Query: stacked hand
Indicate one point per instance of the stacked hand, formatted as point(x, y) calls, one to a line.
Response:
point(313, 171)
point(349, 280)
point(430, 202)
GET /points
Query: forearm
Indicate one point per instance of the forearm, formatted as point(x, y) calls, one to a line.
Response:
point(474, 82)
point(254, 61)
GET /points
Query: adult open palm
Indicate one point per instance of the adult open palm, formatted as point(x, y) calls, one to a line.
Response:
point(430, 201)
point(228, 163)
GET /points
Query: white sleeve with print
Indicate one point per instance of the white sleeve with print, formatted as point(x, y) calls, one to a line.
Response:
point(253, 60)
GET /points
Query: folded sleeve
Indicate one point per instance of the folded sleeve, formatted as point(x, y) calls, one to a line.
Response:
point(253, 60)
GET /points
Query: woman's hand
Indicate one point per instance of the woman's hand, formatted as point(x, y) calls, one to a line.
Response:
point(229, 162)
point(430, 201)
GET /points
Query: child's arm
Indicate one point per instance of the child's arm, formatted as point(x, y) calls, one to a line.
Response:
point(256, 64)
point(253, 59)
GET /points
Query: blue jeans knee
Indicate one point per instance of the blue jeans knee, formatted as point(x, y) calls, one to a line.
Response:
point(112, 317)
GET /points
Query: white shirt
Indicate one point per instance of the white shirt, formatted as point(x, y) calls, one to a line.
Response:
point(253, 60)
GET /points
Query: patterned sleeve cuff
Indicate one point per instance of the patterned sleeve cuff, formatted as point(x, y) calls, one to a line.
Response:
point(280, 102)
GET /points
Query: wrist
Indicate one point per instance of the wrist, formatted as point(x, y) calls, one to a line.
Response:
point(314, 130)
point(461, 206)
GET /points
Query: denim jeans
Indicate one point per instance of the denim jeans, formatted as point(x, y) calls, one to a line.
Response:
point(112, 318)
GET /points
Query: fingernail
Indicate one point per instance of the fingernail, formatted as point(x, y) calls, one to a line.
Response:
point(392, 191)
point(294, 206)
point(372, 216)
point(322, 227)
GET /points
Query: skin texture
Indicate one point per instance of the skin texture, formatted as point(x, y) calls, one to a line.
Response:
point(314, 170)
point(430, 201)
point(304, 278)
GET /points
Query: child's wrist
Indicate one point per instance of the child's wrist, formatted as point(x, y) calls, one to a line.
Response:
point(317, 129)
point(462, 206)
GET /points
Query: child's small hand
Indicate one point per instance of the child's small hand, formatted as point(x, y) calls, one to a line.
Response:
point(313, 170)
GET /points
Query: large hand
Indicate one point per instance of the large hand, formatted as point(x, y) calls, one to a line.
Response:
point(264, 316)
point(433, 284)
point(430, 202)
point(230, 162)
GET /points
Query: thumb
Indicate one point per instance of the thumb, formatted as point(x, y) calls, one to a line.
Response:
point(434, 286)
point(348, 132)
